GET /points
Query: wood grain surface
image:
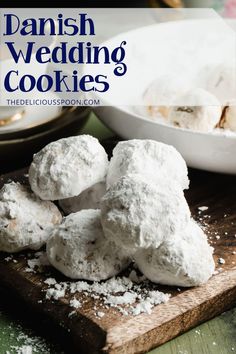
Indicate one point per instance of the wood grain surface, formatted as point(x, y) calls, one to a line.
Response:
point(116, 333)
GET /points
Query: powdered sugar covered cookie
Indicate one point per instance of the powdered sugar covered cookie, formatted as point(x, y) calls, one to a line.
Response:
point(88, 199)
point(79, 250)
point(201, 112)
point(137, 213)
point(153, 160)
point(161, 94)
point(182, 260)
point(25, 220)
point(67, 167)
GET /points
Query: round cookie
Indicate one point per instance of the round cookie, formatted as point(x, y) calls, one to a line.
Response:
point(183, 260)
point(201, 111)
point(25, 220)
point(153, 160)
point(137, 213)
point(67, 167)
point(78, 249)
point(161, 93)
point(88, 199)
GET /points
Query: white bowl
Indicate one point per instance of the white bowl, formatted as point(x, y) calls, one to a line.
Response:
point(211, 152)
point(214, 151)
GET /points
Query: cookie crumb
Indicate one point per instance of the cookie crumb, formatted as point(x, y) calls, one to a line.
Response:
point(221, 261)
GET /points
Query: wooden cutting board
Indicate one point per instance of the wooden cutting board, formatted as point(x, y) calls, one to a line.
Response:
point(117, 334)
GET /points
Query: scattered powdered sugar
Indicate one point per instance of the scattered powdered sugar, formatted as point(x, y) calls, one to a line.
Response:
point(24, 340)
point(100, 314)
point(75, 303)
point(50, 281)
point(203, 208)
point(32, 263)
point(8, 258)
point(55, 294)
point(37, 263)
point(127, 296)
point(221, 261)
point(29, 270)
point(153, 298)
point(72, 313)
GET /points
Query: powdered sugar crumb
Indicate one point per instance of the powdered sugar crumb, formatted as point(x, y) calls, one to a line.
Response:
point(75, 303)
point(55, 294)
point(36, 263)
point(72, 313)
point(100, 314)
point(120, 293)
point(203, 208)
point(8, 258)
point(221, 261)
point(50, 281)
